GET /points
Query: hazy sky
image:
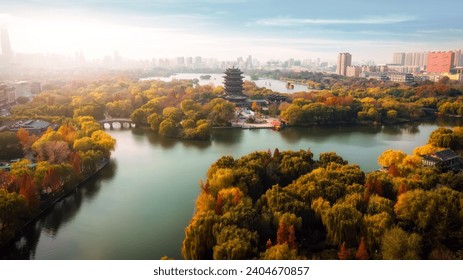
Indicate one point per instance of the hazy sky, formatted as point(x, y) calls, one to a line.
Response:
point(227, 29)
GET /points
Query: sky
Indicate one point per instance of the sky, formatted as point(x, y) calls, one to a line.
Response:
point(228, 29)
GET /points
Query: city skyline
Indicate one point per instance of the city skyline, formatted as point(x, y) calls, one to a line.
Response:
point(227, 29)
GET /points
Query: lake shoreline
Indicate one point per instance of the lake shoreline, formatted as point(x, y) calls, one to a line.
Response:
point(48, 205)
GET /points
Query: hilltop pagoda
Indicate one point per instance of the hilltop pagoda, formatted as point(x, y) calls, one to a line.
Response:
point(233, 82)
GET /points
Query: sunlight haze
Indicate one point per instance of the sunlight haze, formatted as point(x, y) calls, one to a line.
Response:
point(231, 28)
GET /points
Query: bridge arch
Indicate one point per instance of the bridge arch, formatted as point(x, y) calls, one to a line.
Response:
point(120, 123)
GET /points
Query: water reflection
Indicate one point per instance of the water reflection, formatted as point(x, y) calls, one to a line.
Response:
point(157, 140)
point(63, 212)
point(399, 129)
point(199, 144)
point(294, 135)
point(227, 136)
point(449, 121)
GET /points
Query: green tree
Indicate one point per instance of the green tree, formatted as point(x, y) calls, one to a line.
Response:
point(235, 243)
point(154, 120)
point(9, 146)
point(172, 113)
point(397, 244)
point(326, 158)
point(221, 112)
point(167, 128)
point(443, 138)
point(12, 210)
point(199, 237)
point(342, 223)
point(280, 252)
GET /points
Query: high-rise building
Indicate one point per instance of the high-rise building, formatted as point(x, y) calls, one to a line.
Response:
point(7, 53)
point(458, 58)
point(440, 62)
point(344, 60)
point(198, 61)
point(249, 62)
point(415, 59)
point(398, 58)
point(180, 61)
point(353, 71)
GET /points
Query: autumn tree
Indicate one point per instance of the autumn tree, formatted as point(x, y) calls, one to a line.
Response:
point(25, 139)
point(220, 111)
point(443, 138)
point(397, 244)
point(342, 224)
point(12, 210)
point(362, 253)
point(280, 252)
point(235, 243)
point(344, 253)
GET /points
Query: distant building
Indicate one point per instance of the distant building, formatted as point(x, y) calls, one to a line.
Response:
point(404, 69)
point(7, 95)
point(398, 58)
point(180, 61)
point(198, 61)
point(458, 60)
point(379, 76)
point(446, 159)
point(22, 89)
point(353, 71)
point(401, 77)
point(33, 126)
point(344, 60)
point(440, 62)
point(7, 52)
point(416, 59)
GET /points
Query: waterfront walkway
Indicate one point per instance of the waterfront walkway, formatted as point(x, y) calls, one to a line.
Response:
point(268, 122)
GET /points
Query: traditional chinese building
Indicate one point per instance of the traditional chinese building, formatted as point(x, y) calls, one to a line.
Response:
point(233, 82)
point(446, 159)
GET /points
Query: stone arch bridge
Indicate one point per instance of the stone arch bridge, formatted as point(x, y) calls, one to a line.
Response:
point(123, 123)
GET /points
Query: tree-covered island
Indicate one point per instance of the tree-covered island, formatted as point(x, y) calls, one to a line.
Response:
point(288, 205)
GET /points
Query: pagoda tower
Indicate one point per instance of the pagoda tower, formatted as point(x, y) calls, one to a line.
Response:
point(233, 82)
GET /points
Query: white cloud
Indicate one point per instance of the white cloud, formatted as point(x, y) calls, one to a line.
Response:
point(285, 22)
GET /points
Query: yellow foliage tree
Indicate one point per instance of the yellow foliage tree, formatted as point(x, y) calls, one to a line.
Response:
point(391, 157)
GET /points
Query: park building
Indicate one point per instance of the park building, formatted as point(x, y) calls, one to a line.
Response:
point(233, 84)
point(33, 126)
point(446, 159)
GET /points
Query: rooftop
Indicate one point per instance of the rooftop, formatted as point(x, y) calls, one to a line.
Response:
point(30, 125)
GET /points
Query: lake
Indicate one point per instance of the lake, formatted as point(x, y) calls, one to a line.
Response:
point(217, 80)
point(139, 205)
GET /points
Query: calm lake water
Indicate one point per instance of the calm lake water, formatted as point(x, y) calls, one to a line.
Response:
point(139, 205)
point(217, 80)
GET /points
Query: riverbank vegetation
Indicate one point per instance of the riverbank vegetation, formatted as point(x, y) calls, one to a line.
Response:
point(374, 102)
point(183, 109)
point(47, 166)
point(288, 205)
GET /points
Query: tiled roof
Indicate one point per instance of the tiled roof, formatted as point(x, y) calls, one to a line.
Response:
point(445, 155)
